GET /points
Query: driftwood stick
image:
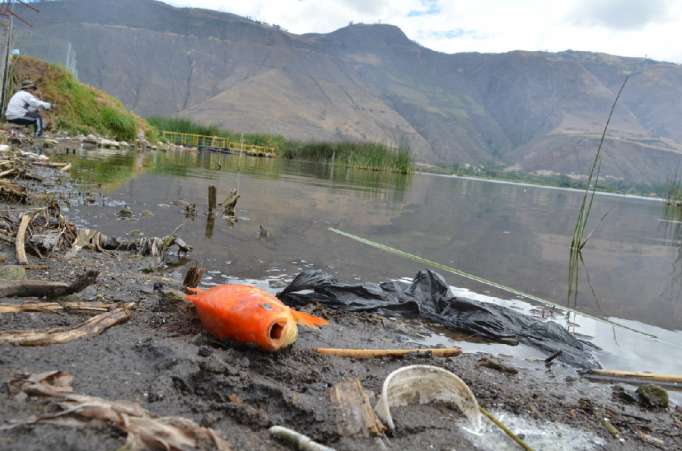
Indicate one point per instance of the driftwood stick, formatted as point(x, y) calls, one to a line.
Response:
point(66, 168)
point(21, 239)
point(297, 440)
point(354, 413)
point(378, 353)
point(40, 288)
point(627, 375)
point(519, 441)
point(94, 326)
point(75, 307)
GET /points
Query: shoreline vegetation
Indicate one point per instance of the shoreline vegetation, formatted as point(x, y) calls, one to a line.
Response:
point(359, 155)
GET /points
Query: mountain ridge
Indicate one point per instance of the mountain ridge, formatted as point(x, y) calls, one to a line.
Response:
point(525, 110)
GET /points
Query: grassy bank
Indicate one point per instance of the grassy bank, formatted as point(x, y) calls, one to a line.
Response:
point(371, 156)
point(78, 108)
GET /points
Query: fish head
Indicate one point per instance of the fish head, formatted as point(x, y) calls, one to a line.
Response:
point(279, 331)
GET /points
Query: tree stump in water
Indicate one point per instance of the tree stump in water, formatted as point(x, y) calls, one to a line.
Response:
point(211, 199)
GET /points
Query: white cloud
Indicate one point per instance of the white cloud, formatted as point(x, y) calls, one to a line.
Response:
point(639, 28)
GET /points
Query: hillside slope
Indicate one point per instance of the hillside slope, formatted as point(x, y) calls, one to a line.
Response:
point(527, 110)
point(77, 108)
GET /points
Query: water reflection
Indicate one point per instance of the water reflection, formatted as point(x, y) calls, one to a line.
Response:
point(516, 235)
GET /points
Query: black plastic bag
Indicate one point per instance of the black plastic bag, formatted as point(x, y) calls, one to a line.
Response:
point(429, 296)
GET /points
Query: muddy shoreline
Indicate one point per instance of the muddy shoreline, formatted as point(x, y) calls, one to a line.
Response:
point(161, 359)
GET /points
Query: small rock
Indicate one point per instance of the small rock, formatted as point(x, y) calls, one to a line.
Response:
point(3, 258)
point(205, 351)
point(125, 212)
point(147, 213)
point(12, 272)
point(621, 393)
point(652, 396)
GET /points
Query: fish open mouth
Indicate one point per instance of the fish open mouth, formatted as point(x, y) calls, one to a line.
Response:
point(276, 330)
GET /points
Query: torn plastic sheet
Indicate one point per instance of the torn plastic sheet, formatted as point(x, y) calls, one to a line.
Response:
point(429, 296)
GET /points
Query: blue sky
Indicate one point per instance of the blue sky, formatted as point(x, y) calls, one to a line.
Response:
point(651, 28)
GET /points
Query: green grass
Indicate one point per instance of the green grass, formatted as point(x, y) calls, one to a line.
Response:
point(79, 108)
point(371, 156)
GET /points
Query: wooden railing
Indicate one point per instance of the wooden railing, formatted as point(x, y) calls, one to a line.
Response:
point(214, 142)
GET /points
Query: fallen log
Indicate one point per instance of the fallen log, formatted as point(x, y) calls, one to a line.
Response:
point(42, 288)
point(635, 375)
point(379, 353)
point(94, 326)
point(75, 307)
point(21, 239)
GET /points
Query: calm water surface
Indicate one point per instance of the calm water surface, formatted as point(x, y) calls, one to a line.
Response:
point(512, 234)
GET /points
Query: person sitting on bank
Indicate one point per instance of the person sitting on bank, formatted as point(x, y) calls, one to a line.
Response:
point(23, 108)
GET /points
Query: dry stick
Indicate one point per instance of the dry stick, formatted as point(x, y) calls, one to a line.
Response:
point(66, 168)
point(378, 353)
point(76, 307)
point(94, 326)
point(40, 288)
point(21, 238)
point(519, 441)
point(675, 378)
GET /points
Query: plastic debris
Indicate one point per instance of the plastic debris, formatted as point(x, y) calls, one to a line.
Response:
point(426, 384)
point(429, 296)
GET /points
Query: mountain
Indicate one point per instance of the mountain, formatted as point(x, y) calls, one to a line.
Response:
point(534, 111)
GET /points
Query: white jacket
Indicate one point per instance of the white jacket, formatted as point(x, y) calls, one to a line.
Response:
point(22, 103)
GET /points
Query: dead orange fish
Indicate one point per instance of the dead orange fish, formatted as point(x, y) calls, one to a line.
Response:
point(249, 315)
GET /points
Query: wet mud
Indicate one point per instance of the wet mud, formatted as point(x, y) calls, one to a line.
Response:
point(162, 359)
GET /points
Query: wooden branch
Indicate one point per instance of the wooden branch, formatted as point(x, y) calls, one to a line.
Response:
point(40, 288)
point(627, 375)
point(21, 239)
point(66, 168)
point(379, 353)
point(39, 307)
point(93, 326)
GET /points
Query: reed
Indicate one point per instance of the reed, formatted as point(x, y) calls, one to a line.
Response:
point(361, 155)
point(579, 240)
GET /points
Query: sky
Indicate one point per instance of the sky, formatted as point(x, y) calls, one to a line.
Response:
point(640, 28)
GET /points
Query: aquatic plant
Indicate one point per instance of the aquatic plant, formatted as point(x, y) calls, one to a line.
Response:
point(579, 240)
point(362, 155)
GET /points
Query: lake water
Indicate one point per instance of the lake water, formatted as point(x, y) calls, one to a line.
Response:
point(514, 235)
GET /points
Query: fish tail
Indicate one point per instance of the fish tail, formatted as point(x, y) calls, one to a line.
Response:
point(308, 320)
